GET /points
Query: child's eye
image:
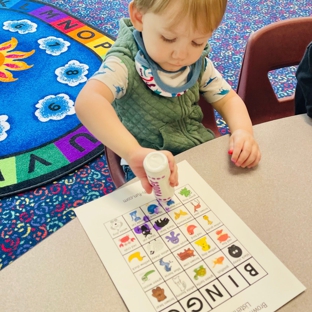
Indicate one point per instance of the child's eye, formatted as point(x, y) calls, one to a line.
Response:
point(197, 44)
point(168, 40)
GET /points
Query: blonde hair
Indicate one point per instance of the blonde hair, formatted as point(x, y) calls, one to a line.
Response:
point(206, 15)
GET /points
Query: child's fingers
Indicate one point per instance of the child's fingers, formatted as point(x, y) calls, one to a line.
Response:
point(253, 160)
point(236, 153)
point(174, 179)
point(255, 163)
point(173, 169)
point(231, 146)
point(145, 184)
point(249, 157)
point(244, 155)
point(235, 148)
point(244, 150)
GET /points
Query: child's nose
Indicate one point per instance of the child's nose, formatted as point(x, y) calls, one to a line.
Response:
point(179, 53)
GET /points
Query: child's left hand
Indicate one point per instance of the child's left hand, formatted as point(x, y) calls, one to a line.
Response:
point(244, 149)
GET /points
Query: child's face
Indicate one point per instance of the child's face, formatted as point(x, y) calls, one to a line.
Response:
point(171, 47)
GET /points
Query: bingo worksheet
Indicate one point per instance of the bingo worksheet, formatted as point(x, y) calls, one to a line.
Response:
point(191, 253)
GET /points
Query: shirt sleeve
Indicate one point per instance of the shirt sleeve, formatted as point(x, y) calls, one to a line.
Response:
point(213, 86)
point(114, 74)
point(303, 94)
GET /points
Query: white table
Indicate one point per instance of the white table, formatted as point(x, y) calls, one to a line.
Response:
point(63, 273)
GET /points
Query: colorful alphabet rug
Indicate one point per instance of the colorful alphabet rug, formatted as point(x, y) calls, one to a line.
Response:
point(46, 56)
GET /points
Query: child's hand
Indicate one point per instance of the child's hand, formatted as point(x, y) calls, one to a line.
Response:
point(135, 161)
point(244, 149)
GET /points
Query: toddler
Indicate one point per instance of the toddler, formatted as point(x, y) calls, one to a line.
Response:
point(144, 96)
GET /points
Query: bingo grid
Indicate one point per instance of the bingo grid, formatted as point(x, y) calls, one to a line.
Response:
point(182, 255)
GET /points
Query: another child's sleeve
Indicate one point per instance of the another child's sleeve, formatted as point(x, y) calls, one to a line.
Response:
point(114, 74)
point(303, 94)
point(213, 86)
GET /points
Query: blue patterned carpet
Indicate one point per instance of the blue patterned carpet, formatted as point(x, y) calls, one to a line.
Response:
point(28, 218)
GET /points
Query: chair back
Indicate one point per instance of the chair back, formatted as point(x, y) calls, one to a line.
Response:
point(115, 169)
point(274, 46)
point(209, 120)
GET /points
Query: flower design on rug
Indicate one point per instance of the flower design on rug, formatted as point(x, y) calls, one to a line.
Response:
point(54, 107)
point(54, 46)
point(72, 73)
point(9, 60)
point(4, 126)
point(22, 26)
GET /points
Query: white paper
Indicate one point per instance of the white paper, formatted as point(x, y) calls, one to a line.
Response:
point(194, 254)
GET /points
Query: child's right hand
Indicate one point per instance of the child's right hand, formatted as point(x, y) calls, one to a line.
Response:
point(135, 161)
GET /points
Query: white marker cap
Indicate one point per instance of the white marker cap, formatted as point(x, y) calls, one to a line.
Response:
point(155, 162)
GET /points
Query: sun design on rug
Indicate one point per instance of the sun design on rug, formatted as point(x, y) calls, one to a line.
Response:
point(9, 60)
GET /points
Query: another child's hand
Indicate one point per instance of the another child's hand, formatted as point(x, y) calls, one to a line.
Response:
point(135, 161)
point(244, 149)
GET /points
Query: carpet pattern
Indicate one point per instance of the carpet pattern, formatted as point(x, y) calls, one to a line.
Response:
point(29, 217)
point(48, 55)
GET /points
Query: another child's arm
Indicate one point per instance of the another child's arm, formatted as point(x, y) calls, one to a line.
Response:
point(243, 146)
point(94, 109)
point(303, 94)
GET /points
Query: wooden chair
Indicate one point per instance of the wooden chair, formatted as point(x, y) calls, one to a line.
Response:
point(274, 46)
point(113, 160)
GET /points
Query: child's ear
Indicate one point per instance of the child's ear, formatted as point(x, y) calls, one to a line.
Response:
point(135, 17)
